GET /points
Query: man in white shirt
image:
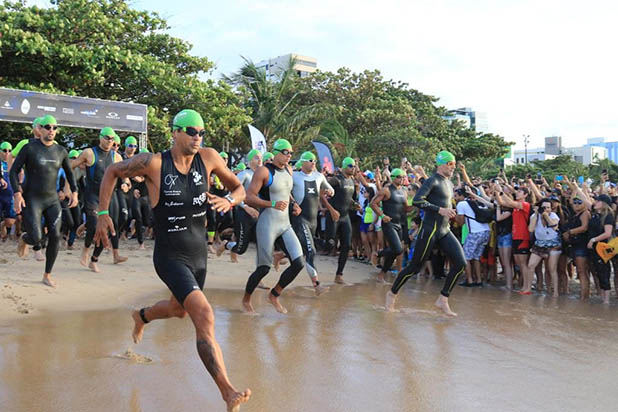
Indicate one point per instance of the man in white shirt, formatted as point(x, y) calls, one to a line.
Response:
point(476, 241)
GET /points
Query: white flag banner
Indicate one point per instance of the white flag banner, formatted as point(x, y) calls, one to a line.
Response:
point(258, 141)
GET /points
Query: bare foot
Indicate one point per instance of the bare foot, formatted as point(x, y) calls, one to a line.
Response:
point(84, 259)
point(120, 259)
point(142, 246)
point(319, 289)
point(391, 298)
point(138, 329)
point(233, 257)
point(234, 400)
point(261, 285)
point(339, 280)
point(48, 281)
point(442, 303)
point(220, 248)
point(211, 249)
point(22, 248)
point(94, 267)
point(247, 307)
point(38, 255)
point(274, 300)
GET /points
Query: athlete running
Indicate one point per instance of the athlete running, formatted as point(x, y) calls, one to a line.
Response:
point(97, 159)
point(177, 182)
point(434, 197)
point(309, 185)
point(7, 212)
point(245, 217)
point(394, 211)
point(38, 198)
point(271, 191)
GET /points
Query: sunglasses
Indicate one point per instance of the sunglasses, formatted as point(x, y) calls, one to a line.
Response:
point(285, 152)
point(451, 163)
point(350, 166)
point(5, 150)
point(577, 201)
point(50, 127)
point(191, 131)
point(132, 146)
point(310, 161)
point(398, 177)
point(108, 137)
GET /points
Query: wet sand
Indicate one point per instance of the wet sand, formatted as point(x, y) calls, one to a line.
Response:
point(339, 352)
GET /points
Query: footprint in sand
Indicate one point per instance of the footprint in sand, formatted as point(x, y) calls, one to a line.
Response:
point(134, 357)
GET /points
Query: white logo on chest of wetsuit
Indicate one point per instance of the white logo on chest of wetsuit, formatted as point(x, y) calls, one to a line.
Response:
point(199, 200)
point(311, 190)
point(170, 180)
point(197, 178)
point(177, 228)
point(172, 204)
point(174, 219)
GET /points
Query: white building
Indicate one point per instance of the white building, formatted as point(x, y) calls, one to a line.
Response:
point(586, 154)
point(519, 156)
point(304, 65)
point(470, 118)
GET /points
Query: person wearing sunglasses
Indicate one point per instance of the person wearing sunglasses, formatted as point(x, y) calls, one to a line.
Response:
point(271, 191)
point(97, 159)
point(130, 149)
point(309, 187)
point(245, 216)
point(37, 197)
point(177, 182)
point(7, 212)
point(435, 198)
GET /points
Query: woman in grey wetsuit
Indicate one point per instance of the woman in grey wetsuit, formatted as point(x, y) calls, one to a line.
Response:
point(270, 190)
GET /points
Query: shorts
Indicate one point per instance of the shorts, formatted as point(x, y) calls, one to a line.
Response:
point(182, 276)
point(475, 245)
point(546, 252)
point(6, 208)
point(364, 227)
point(521, 247)
point(578, 252)
point(505, 240)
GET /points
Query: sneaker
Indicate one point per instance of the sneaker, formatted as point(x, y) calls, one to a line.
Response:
point(465, 284)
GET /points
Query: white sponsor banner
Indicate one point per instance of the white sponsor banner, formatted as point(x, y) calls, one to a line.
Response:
point(258, 141)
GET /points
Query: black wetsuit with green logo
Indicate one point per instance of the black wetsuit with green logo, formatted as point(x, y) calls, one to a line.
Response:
point(435, 193)
point(41, 164)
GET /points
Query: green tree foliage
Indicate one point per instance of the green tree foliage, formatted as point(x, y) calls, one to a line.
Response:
point(105, 49)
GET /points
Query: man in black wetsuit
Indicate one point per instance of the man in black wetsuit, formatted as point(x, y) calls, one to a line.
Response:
point(38, 197)
point(339, 207)
point(97, 159)
point(434, 197)
point(177, 182)
point(394, 208)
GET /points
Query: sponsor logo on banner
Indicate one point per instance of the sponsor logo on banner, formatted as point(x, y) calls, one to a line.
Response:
point(199, 201)
point(47, 108)
point(113, 116)
point(170, 180)
point(7, 106)
point(173, 204)
point(25, 106)
point(177, 228)
point(175, 219)
point(67, 110)
point(133, 117)
point(90, 113)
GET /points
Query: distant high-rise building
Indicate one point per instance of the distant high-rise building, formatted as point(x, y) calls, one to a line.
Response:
point(553, 145)
point(472, 119)
point(303, 65)
point(612, 147)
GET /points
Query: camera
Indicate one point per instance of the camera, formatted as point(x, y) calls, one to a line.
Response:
point(541, 210)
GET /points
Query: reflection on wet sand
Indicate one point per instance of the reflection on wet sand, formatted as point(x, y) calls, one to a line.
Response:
point(339, 352)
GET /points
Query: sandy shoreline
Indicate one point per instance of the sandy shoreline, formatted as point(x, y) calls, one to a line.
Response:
point(126, 285)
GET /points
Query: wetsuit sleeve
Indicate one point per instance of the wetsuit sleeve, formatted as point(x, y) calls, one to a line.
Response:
point(324, 185)
point(420, 199)
point(16, 167)
point(66, 166)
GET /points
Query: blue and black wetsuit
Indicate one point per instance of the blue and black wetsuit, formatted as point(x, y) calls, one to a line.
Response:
point(435, 193)
point(179, 221)
point(41, 164)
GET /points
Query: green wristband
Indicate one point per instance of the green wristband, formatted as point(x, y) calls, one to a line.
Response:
point(273, 204)
point(103, 212)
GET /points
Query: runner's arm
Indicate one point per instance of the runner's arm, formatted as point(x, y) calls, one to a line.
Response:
point(138, 165)
point(16, 167)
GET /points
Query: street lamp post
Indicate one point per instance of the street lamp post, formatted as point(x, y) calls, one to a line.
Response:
point(526, 141)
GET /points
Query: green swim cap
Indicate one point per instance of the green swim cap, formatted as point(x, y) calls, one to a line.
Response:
point(36, 121)
point(187, 118)
point(282, 144)
point(107, 131)
point(6, 146)
point(298, 165)
point(223, 155)
point(47, 119)
point(143, 150)
point(307, 157)
point(73, 153)
point(347, 162)
point(117, 139)
point(252, 154)
point(267, 156)
point(240, 166)
point(397, 172)
point(130, 140)
point(444, 157)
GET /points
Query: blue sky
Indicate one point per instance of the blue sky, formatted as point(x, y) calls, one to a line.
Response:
point(541, 68)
